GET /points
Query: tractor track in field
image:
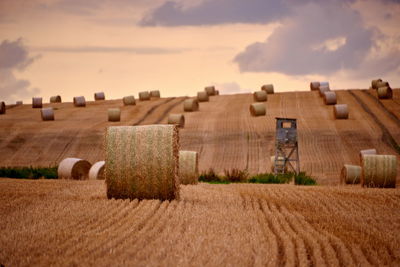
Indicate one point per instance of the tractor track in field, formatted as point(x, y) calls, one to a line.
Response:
point(152, 110)
point(392, 115)
point(166, 112)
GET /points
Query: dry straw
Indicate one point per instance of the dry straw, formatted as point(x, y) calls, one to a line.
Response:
point(371, 151)
point(350, 174)
point(2, 107)
point(314, 86)
point(47, 114)
point(273, 163)
point(114, 114)
point(177, 119)
point(37, 102)
point(73, 168)
point(191, 105)
point(99, 96)
point(330, 98)
point(260, 96)
point(385, 92)
point(202, 96)
point(341, 111)
point(188, 167)
point(142, 162)
point(96, 172)
point(269, 88)
point(210, 90)
point(79, 101)
point(257, 109)
point(322, 89)
point(155, 94)
point(374, 83)
point(129, 100)
point(144, 96)
point(55, 99)
point(379, 171)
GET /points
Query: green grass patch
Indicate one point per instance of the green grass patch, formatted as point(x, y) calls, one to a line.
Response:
point(29, 172)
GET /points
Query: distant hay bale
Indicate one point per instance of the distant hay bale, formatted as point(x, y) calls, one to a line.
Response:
point(210, 90)
point(382, 84)
point(202, 96)
point(99, 96)
point(273, 163)
point(18, 103)
point(341, 111)
point(144, 96)
point(178, 119)
point(129, 100)
point(269, 88)
point(96, 172)
point(260, 96)
point(385, 92)
point(216, 92)
point(330, 98)
point(379, 171)
point(37, 102)
point(47, 114)
point(2, 107)
point(322, 89)
point(114, 114)
point(350, 174)
point(191, 105)
point(371, 151)
point(79, 101)
point(155, 94)
point(55, 99)
point(374, 83)
point(73, 168)
point(188, 167)
point(142, 162)
point(257, 109)
point(324, 84)
point(314, 86)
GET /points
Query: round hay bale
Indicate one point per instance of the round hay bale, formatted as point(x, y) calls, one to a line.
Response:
point(385, 92)
point(188, 167)
point(191, 105)
point(216, 92)
point(99, 96)
point(324, 84)
point(79, 101)
point(73, 168)
point(47, 114)
point(314, 86)
point(371, 151)
point(322, 89)
point(18, 103)
point(269, 88)
point(330, 98)
point(55, 99)
point(114, 114)
point(379, 171)
point(341, 111)
point(96, 172)
point(210, 90)
point(350, 174)
point(178, 119)
point(129, 100)
point(202, 96)
point(144, 96)
point(142, 162)
point(273, 164)
point(374, 83)
point(260, 96)
point(257, 109)
point(2, 107)
point(155, 94)
point(382, 84)
point(37, 102)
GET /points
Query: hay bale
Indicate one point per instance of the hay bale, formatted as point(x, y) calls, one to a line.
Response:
point(114, 114)
point(210, 90)
point(269, 88)
point(216, 92)
point(177, 119)
point(382, 84)
point(55, 99)
point(322, 89)
point(37, 102)
point(385, 92)
point(18, 103)
point(257, 109)
point(79, 101)
point(191, 105)
point(314, 86)
point(202, 96)
point(142, 162)
point(99, 96)
point(371, 151)
point(129, 100)
point(324, 84)
point(96, 172)
point(330, 98)
point(188, 167)
point(47, 114)
point(273, 164)
point(73, 168)
point(260, 96)
point(379, 171)
point(374, 83)
point(350, 174)
point(2, 107)
point(155, 94)
point(144, 96)
point(341, 111)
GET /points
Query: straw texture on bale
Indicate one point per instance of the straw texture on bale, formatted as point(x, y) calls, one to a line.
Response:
point(202, 96)
point(273, 164)
point(79, 101)
point(178, 119)
point(341, 111)
point(142, 162)
point(155, 94)
point(191, 105)
point(382, 84)
point(260, 96)
point(374, 83)
point(210, 90)
point(99, 96)
point(129, 100)
point(379, 171)
point(363, 152)
point(19, 103)
point(269, 88)
point(143, 96)
point(73, 168)
point(47, 114)
point(323, 89)
point(330, 98)
point(114, 114)
point(55, 99)
point(314, 86)
point(96, 172)
point(350, 174)
point(188, 167)
point(37, 102)
point(257, 109)
point(2, 107)
point(385, 92)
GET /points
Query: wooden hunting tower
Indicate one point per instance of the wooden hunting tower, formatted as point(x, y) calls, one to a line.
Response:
point(286, 146)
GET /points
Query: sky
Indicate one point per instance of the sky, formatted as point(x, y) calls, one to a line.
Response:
point(122, 47)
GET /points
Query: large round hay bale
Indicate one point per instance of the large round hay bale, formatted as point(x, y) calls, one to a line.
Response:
point(144, 96)
point(322, 89)
point(382, 84)
point(96, 172)
point(374, 83)
point(18, 103)
point(379, 171)
point(188, 167)
point(2, 107)
point(385, 92)
point(79, 101)
point(191, 105)
point(155, 94)
point(269, 88)
point(73, 168)
point(371, 151)
point(99, 96)
point(330, 98)
point(273, 164)
point(314, 86)
point(142, 162)
point(260, 96)
point(341, 111)
point(257, 109)
point(129, 100)
point(350, 174)
point(210, 90)
point(178, 119)
point(47, 114)
point(55, 99)
point(114, 114)
point(202, 96)
point(37, 102)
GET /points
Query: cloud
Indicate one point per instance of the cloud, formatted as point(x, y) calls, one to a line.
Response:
point(230, 88)
point(108, 49)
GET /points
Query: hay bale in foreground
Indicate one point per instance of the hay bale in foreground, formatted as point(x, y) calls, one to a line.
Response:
point(37, 102)
point(314, 86)
point(96, 172)
point(73, 168)
point(47, 114)
point(114, 114)
point(142, 162)
point(177, 119)
point(191, 105)
point(202, 96)
point(269, 88)
point(341, 111)
point(322, 89)
point(257, 109)
point(79, 101)
point(99, 96)
point(55, 99)
point(330, 98)
point(2, 107)
point(129, 100)
point(374, 83)
point(379, 171)
point(371, 151)
point(155, 94)
point(260, 96)
point(188, 167)
point(210, 90)
point(350, 174)
point(144, 96)
point(385, 92)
